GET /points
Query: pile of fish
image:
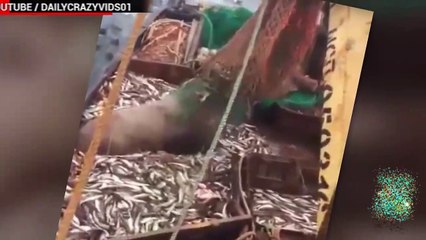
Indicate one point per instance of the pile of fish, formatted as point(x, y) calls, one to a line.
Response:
point(134, 194)
point(135, 90)
point(290, 212)
point(145, 192)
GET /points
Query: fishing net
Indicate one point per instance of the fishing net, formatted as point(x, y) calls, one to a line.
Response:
point(165, 42)
point(280, 48)
point(220, 25)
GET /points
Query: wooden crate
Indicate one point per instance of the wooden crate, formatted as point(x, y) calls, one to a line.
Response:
point(174, 73)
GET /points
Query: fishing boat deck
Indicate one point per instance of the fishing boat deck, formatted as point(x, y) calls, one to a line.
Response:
point(143, 193)
point(141, 196)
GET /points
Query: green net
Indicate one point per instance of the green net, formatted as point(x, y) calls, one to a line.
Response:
point(221, 23)
point(299, 99)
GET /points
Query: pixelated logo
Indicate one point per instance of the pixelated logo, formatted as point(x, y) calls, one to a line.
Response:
point(395, 197)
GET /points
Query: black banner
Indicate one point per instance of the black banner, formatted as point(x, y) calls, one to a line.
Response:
point(75, 6)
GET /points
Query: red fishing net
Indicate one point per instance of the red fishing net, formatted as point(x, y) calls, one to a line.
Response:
point(287, 33)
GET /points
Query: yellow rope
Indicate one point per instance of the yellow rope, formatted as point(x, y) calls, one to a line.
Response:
point(100, 127)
